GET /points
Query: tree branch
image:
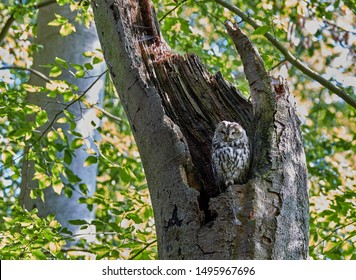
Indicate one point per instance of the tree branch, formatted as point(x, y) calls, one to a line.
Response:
point(108, 114)
point(44, 4)
point(143, 249)
point(262, 94)
point(55, 118)
point(171, 11)
point(333, 231)
point(338, 27)
point(65, 108)
point(290, 57)
point(6, 27)
point(38, 73)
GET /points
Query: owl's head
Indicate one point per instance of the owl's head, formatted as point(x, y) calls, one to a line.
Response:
point(229, 132)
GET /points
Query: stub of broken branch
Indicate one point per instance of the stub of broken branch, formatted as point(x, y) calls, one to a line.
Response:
point(255, 71)
point(263, 96)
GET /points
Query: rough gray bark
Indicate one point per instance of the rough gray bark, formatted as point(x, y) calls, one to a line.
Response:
point(173, 105)
point(70, 49)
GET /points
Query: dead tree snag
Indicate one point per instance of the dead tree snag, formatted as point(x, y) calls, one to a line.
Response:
point(173, 104)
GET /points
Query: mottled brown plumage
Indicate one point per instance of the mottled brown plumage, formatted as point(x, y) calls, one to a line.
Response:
point(230, 154)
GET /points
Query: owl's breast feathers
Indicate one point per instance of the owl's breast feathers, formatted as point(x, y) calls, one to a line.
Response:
point(230, 153)
point(230, 161)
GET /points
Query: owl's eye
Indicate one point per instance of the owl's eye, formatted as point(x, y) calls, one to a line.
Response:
point(223, 131)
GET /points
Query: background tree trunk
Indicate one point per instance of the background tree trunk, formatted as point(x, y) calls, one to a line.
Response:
point(70, 49)
point(173, 105)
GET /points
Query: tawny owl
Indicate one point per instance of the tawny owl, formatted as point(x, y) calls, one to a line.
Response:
point(230, 154)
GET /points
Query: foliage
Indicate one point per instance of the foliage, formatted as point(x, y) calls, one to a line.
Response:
point(26, 236)
point(322, 33)
point(330, 150)
point(124, 226)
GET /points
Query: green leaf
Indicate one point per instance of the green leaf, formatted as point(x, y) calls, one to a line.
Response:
point(66, 231)
point(80, 74)
point(6, 156)
point(39, 255)
point(169, 22)
point(77, 67)
point(268, 60)
point(116, 211)
point(97, 60)
point(115, 227)
point(57, 186)
point(30, 88)
point(88, 54)
point(67, 29)
point(52, 94)
point(98, 223)
point(84, 227)
point(83, 188)
point(184, 25)
point(31, 108)
point(68, 96)
point(72, 178)
point(58, 21)
point(76, 133)
point(136, 218)
point(52, 136)
point(52, 152)
point(61, 62)
point(76, 143)
point(261, 30)
point(78, 222)
point(63, 2)
point(68, 192)
point(67, 157)
point(41, 118)
point(88, 66)
point(48, 234)
point(147, 213)
point(115, 254)
point(90, 160)
point(125, 175)
point(43, 182)
point(62, 120)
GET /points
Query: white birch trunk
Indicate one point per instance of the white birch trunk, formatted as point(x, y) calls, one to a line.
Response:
point(69, 48)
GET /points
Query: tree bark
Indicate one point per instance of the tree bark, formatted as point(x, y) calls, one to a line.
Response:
point(173, 105)
point(70, 49)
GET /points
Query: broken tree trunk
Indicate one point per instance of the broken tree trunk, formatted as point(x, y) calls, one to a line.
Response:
point(173, 105)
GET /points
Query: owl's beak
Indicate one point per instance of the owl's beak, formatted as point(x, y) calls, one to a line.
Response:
point(227, 138)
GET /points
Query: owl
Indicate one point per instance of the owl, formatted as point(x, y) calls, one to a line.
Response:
point(230, 154)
